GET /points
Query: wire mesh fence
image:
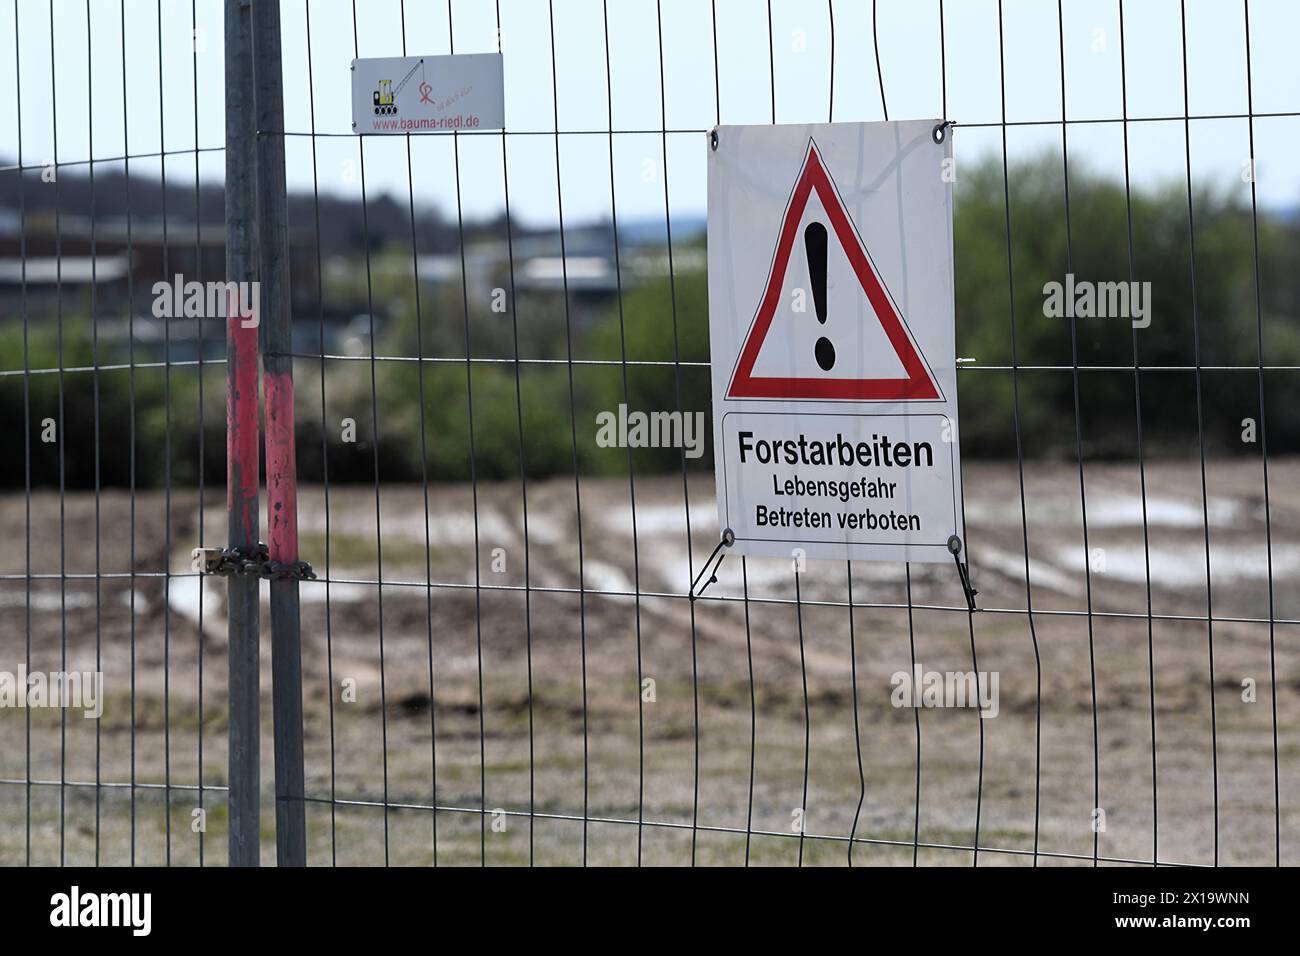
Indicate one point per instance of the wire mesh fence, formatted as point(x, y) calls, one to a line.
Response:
point(503, 658)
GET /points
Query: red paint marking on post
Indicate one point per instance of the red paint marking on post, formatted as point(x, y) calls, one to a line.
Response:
point(242, 462)
point(281, 478)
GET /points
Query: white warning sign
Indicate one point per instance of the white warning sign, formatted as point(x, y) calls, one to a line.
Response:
point(831, 338)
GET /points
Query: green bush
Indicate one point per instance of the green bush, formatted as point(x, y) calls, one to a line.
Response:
point(550, 408)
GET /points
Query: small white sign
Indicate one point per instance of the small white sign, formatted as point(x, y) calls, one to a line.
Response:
point(832, 344)
point(428, 94)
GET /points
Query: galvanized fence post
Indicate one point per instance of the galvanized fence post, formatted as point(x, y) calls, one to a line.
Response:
point(281, 478)
point(242, 466)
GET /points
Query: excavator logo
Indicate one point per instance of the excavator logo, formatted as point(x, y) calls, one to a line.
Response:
point(384, 97)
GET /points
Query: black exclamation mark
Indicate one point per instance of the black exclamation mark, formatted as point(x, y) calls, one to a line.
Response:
point(814, 243)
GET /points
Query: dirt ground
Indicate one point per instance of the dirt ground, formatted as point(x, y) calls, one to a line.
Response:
point(472, 692)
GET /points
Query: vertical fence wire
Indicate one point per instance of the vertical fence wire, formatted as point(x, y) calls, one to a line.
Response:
point(94, 384)
point(1200, 428)
point(424, 468)
point(1078, 434)
point(473, 472)
point(744, 567)
point(1263, 440)
point(27, 436)
point(523, 478)
point(1020, 457)
point(324, 457)
point(61, 420)
point(131, 419)
point(1141, 457)
point(201, 478)
point(573, 429)
point(631, 472)
point(167, 465)
point(374, 419)
point(677, 396)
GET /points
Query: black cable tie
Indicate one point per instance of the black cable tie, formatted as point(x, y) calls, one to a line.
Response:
point(728, 539)
point(963, 573)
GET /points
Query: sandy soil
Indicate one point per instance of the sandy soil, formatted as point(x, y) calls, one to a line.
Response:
point(535, 701)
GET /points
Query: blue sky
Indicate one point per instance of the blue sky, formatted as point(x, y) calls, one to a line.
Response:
point(153, 72)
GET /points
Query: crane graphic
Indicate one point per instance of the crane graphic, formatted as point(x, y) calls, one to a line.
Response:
point(385, 97)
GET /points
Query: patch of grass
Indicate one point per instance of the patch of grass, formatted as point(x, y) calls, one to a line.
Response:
point(360, 550)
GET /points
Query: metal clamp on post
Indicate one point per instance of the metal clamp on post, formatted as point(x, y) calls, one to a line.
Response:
point(954, 545)
point(728, 539)
point(230, 562)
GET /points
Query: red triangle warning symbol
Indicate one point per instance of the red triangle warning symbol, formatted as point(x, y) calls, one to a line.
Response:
point(916, 383)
